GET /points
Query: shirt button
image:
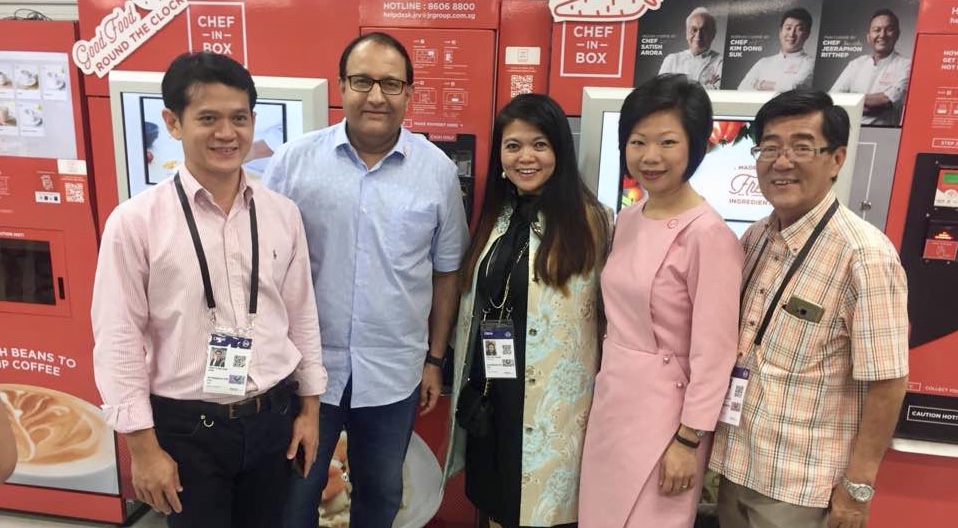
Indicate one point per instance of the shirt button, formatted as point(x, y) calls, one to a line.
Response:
point(680, 384)
point(665, 359)
point(762, 291)
point(751, 323)
point(363, 209)
point(533, 331)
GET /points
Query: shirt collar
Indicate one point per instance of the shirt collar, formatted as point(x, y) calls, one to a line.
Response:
point(799, 53)
point(402, 147)
point(891, 56)
point(796, 234)
point(192, 187)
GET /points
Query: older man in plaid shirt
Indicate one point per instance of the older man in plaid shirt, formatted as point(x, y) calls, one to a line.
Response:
point(823, 348)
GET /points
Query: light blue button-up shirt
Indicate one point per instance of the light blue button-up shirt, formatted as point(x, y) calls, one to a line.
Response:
point(375, 237)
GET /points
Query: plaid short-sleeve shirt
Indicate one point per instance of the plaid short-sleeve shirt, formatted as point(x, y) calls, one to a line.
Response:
point(808, 380)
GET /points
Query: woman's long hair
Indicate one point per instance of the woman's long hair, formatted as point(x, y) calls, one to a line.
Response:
point(576, 228)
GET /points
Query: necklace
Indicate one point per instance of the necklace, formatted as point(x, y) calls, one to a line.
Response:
point(505, 294)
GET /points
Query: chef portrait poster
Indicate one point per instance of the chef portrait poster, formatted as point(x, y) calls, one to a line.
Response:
point(685, 36)
point(846, 47)
point(755, 41)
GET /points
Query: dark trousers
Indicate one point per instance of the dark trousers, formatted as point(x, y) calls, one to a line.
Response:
point(376, 449)
point(234, 472)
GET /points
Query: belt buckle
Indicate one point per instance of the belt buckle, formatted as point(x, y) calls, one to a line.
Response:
point(233, 407)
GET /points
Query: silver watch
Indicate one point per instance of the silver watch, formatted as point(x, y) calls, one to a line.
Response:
point(859, 492)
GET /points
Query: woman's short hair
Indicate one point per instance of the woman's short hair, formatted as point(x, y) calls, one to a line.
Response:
point(670, 91)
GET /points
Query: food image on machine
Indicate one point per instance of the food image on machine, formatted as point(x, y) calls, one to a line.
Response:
point(421, 476)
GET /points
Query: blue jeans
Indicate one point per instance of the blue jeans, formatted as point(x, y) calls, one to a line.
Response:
point(376, 449)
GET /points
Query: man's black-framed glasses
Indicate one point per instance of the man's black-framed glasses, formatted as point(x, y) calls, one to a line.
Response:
point(364, 84)
point(796, 153)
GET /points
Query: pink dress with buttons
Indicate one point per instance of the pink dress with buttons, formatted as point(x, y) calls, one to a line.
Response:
point(671, 293)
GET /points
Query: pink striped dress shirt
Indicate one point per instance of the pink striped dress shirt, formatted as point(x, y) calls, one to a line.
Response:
point(151, 324)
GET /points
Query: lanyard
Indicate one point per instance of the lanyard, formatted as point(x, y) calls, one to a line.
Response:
point(201, 255)
point(799, 259)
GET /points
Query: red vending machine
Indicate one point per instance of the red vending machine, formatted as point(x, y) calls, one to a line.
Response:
point(67, 455)
point(916, 485)
point(453, 49)
point(299, 38)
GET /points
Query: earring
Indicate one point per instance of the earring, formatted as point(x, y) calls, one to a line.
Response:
point(503, 175)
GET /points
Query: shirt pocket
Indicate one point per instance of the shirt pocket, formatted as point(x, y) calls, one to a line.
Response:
point(412, 242)
point(799, 346)
point(276, 259)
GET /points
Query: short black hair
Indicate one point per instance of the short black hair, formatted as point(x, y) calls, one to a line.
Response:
point(203, 67)
point(384, 39)
point(804, 101)
point(798, 13)
point(888, 13)
point(670, 91)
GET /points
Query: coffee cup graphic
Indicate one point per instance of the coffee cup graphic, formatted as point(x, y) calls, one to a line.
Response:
point(62, 441)
point(27, 79)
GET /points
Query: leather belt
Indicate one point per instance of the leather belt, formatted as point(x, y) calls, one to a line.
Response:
point(278, 395)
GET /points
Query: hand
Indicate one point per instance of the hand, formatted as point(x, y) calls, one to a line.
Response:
point(430, 388)
point(846, 512)
point(306, 433)
point(677, 469)
point(156, 479)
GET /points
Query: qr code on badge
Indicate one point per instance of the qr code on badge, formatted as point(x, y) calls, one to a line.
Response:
point(520, 84)
point(74, 192)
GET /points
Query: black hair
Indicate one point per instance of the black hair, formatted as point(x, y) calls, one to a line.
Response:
point(804, 101)
point(384, 39)
point(798, 13)
point(888, 13)
point(669, 91)
point(576, 228)
point(190, 69)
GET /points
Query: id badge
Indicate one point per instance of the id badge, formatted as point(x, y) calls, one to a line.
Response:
point(732, 406)
point(227, 363)
point(498, 349)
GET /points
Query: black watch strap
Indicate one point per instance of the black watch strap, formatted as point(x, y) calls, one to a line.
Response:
point(685, 441)
point(433, 360)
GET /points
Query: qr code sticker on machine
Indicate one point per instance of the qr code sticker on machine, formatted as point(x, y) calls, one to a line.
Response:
point(74, 192)
point(520, 84)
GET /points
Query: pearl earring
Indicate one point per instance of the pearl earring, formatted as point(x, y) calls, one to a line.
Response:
point(503, 175)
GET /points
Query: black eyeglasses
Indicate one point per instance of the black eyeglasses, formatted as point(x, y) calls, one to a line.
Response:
point(364, 84)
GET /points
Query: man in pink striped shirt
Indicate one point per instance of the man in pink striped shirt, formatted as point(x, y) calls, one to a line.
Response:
point(209, 258)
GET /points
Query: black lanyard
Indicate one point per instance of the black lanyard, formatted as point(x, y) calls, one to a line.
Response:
point(201, 255)
point(799, 259)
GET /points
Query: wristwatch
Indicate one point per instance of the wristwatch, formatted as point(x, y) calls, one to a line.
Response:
point(859, 492)
point(433, 360)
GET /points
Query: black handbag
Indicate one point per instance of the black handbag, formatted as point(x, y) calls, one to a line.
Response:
point(474, 410)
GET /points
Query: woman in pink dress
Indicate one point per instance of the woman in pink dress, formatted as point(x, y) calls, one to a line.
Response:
point(671, 294)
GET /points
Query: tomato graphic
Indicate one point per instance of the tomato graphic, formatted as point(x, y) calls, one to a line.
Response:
point(725, 132)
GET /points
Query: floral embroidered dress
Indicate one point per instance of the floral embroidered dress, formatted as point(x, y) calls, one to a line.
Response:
point(526, 471)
